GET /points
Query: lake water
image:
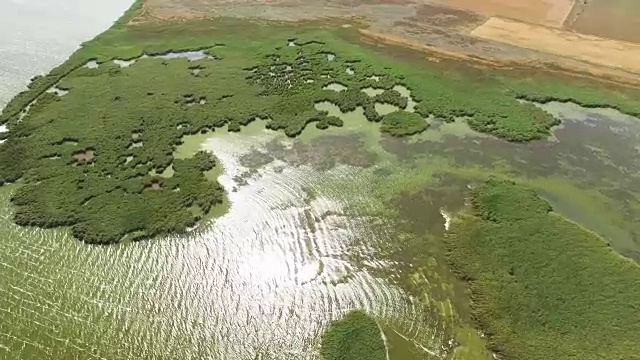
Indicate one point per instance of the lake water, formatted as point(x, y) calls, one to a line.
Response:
point(37, 35)
point(309, 234)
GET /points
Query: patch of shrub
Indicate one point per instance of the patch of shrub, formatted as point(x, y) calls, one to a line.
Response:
point(403, 123)
point(354, 337)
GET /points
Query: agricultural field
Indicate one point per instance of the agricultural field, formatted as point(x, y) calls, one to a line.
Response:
point(614, 19)
point(587, 48)
point(542, 12)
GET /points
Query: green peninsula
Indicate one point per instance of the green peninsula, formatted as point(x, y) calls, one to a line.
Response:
point(543, 287)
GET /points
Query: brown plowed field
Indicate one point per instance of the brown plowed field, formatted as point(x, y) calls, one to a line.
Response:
point(544, 12)
point(616, 19)
point(588, 48)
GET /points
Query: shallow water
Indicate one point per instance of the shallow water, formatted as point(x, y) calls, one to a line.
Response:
point(92, 64)
point(384, 109)
point(335, 87)
point(266, 278)
point(372, 91)
point(56, 90)
point(121, 63)
point(190, 55)
point(587, 169)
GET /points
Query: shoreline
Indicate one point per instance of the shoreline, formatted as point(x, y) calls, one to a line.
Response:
point(51, 53)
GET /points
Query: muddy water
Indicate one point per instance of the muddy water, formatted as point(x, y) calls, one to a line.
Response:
point(189, 55)
point(287, 245)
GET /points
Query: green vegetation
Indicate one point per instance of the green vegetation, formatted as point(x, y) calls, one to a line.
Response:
point(99, 148)
point(392, 97)
point(354, 337)
point(402, 123)
point(543, 287)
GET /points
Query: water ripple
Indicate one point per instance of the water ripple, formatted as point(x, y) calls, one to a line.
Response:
point(266, 278)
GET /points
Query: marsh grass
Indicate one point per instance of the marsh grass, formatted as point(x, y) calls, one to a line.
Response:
point(401, 123)
point(543, 287)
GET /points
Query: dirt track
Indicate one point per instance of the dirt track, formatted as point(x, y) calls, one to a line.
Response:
point(422, 25)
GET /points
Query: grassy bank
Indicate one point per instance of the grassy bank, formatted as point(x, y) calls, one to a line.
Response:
point(543, 287)
point(100, 147)
point(354, 337)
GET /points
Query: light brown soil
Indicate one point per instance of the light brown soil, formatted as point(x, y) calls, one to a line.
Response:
point(85, 157)
point(544, 12)
point(445, 17)
point(579, 6)
point(423, 25)
point(550, 63)
point(588, 48)
point(617, 19)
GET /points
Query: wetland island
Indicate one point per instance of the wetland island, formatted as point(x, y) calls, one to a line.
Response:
point(331, 180)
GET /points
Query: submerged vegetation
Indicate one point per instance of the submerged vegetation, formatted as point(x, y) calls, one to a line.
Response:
point(354, 337)
point(543, 287)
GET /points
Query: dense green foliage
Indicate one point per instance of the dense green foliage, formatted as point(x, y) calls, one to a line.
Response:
point(41, 83)
point(402, 123)
point(392, 97)
point(543, 287)
point(354, 337)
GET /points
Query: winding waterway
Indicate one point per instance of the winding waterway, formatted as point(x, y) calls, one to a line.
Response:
point(307, 237)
